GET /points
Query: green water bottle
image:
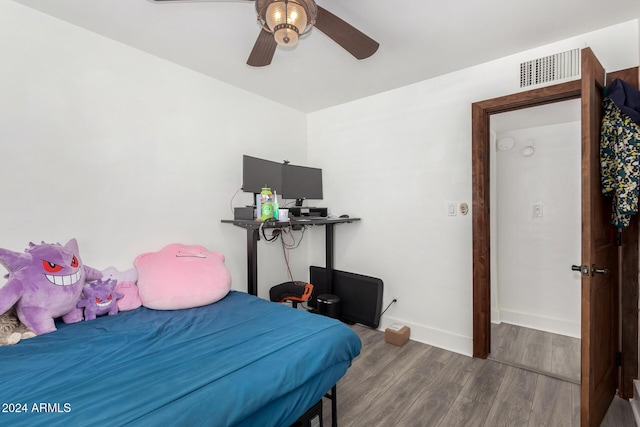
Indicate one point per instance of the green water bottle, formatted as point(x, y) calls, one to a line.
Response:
point(266, 203)
point(275, 205)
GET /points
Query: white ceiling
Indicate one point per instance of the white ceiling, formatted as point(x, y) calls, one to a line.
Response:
point(418, 39)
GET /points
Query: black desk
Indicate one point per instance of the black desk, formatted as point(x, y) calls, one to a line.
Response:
point(253, 235)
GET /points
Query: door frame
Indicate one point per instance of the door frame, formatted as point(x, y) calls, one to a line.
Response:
point(481, 114)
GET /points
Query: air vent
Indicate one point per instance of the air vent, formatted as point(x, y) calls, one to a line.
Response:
point(550, 68)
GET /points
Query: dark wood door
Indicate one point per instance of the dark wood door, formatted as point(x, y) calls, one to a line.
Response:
point(600, 308)
point(628, 289)
point(599, 260)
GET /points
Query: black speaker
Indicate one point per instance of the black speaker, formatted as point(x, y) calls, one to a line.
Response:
point(329, 305)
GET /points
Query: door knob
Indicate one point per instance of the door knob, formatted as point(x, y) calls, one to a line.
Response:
point(584, 269)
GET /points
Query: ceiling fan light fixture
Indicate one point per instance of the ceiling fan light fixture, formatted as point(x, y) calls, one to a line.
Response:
point(286, 19)
point(285, 34)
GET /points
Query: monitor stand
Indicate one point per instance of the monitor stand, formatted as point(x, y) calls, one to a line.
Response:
point(297, 211)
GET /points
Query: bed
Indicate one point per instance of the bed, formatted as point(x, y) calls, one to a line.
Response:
point(241, 361)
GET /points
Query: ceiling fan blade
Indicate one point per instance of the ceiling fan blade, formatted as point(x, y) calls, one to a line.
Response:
point(263, 50)
point(350, 38)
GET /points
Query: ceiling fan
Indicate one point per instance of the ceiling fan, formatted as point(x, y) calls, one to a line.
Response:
point(282, 21)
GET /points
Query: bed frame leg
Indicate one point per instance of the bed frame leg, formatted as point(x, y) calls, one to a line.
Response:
point(334, 405)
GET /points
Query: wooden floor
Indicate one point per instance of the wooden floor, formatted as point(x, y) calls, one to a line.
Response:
point(421, 385)
point(542, 352)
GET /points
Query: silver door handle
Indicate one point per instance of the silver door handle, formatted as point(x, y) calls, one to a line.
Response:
point(595, 271)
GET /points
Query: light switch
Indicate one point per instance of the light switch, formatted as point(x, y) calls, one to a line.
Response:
point(537, 211)
point(451, 209)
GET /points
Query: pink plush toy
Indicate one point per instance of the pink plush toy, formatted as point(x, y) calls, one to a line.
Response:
point(126, 285)
point(180, 276)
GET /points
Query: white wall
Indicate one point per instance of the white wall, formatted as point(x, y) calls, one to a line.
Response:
point(396, 159)
point(536, 287)
point(128, 153)
point(125, 151)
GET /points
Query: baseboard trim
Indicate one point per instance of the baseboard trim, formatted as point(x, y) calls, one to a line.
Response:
point(495, 316)
point(556, 326)
point(432, 336)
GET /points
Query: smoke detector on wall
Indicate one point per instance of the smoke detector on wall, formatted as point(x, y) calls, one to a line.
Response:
point(528, 151)
point(505, 144)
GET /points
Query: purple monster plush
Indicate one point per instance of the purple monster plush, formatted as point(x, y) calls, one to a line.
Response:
point(99, 298)
point(44, 283)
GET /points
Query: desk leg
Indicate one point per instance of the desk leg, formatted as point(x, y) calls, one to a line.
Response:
point(252, 261)
point(328, 247)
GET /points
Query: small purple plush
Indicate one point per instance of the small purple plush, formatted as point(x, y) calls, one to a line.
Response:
point(44, 283)
point(126, 284)
point(99, 298)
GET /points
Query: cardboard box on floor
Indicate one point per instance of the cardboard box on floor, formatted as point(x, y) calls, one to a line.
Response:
point(397, 334)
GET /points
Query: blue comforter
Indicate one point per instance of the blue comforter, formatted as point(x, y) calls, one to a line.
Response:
point(242, 361)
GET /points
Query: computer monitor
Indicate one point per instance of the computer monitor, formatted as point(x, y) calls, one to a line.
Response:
point(301, 182)
point(258, 173)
